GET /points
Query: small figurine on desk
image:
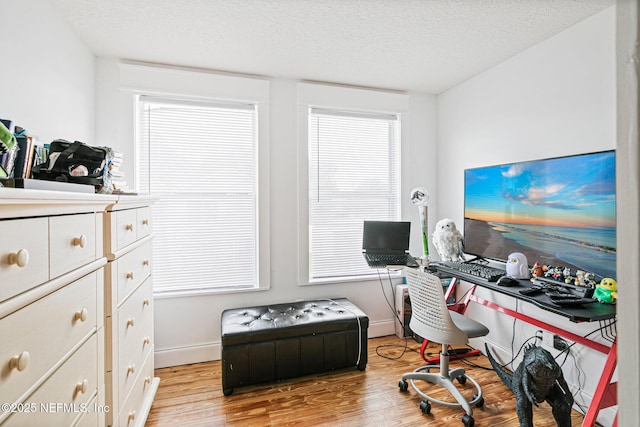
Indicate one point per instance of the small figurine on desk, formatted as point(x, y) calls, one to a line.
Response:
point(517, 266)
point(448, 241)
point(579, 280)
point(536, 270)
point(606, 291)
point(590, 279)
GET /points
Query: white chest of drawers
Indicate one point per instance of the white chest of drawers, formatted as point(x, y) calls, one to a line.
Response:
point(52, 351)
point(130, 385)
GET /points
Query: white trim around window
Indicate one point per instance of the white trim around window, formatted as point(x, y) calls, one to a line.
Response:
point(197, 85)
point(334, 98)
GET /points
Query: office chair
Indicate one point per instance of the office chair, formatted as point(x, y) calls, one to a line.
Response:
point(432, 320)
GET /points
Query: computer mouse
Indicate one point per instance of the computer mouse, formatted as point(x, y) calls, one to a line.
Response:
point(507, 281)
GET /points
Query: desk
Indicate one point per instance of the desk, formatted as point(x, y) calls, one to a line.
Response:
point(605, 394)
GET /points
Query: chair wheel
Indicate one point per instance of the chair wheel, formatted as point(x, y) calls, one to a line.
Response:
point(403, 385)
point(479, 403)
point(462, 379)
point(425, 407)
point(467, 420)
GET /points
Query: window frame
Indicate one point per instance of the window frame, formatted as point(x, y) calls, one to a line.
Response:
point(137, 79)
point(312, 95)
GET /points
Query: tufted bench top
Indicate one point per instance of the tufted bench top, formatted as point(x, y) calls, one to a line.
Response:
point(278, 321)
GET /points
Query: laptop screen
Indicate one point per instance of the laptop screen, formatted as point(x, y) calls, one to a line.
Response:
point(388, 235)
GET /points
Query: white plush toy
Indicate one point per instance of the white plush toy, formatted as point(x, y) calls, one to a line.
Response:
point(448, 241)
point(517, 266)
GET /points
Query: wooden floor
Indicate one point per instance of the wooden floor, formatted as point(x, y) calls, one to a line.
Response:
point(191, 395)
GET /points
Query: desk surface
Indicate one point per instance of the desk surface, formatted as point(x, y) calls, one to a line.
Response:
point(579, 313)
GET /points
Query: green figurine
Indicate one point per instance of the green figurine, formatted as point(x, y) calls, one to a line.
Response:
point(606, 291)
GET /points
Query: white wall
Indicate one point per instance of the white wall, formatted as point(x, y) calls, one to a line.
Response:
point(47, 74)
point(556, 98)
point(187, 329)
point(628, 75)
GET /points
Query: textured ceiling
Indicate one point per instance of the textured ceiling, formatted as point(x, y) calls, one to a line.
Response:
point(421, 45)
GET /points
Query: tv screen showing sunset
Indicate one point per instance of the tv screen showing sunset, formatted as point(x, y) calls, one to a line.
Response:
point(559, 211)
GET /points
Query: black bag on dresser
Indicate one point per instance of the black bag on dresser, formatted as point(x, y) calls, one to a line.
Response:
point(74, 162)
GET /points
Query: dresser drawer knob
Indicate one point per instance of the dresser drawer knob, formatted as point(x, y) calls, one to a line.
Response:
point(128, 227)
point(20, 362)
point(146, 341)
point(132, 416)
point(146, 301)
point(145, 262)
point(145, 222)
point(131, 321)
point(130, 275)
point(81, 315)
point(147, 380)
point(20, 258)
point(131, 369)
point(80, 241)
point(82, 387)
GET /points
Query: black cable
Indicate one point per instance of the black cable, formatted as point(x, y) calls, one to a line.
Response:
point(404, 347)
point(513, 359)
point(513, 334)
point(470, 363)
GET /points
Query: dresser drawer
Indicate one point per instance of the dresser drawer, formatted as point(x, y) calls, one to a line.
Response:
point(72, 242)
point(143, 219)
point(135, 319)
point(131, 360)
point(130, 413)
point(132, 269)
point(35, 338)
point(125, 225)
point(24, 255)
point(66, 395)
point(94, 417)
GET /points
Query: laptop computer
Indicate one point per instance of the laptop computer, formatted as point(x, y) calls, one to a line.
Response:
point(386, 243)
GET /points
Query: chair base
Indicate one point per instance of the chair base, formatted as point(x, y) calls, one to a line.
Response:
point(444, 377)
point(446, 382)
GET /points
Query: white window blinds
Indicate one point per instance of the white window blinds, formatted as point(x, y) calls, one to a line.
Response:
point(354, 175)
point(200, 159)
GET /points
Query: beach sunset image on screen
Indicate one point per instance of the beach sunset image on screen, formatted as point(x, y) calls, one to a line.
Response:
point(559, 212)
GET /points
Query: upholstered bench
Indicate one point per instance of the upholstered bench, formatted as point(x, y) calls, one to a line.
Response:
point(274, 342)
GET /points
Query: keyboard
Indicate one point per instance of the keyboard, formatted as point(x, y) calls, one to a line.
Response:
point(382, 260)
point(491, 274)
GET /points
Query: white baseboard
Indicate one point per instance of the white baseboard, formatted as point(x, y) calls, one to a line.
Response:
point(381, 329)
point(187, 355)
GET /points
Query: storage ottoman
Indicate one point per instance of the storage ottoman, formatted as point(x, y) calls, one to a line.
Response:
point(274, 342)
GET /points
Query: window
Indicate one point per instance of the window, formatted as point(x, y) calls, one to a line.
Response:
point(201, 161)
point(349, 172)
point(202, 148)
point(353, 175)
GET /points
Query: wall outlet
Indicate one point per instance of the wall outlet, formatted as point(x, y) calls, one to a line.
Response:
point(547, 339)
point(559, 343)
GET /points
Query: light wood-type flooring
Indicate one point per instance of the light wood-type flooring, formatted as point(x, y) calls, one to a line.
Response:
point(191, 395)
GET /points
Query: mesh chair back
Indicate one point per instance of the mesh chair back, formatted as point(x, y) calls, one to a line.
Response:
point(430, 317)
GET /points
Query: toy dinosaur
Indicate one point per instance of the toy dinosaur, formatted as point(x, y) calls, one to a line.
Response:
point(536, 379)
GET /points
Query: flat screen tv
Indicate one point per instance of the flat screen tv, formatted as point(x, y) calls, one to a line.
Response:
point(558, 211)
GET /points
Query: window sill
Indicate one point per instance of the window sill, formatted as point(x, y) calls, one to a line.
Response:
point(382, 274)
point(182, 293)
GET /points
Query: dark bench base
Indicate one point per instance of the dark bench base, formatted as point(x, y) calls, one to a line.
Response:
point(274, 342)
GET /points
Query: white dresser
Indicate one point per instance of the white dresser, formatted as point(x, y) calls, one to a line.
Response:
point(130, 384)
point(52, 350)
